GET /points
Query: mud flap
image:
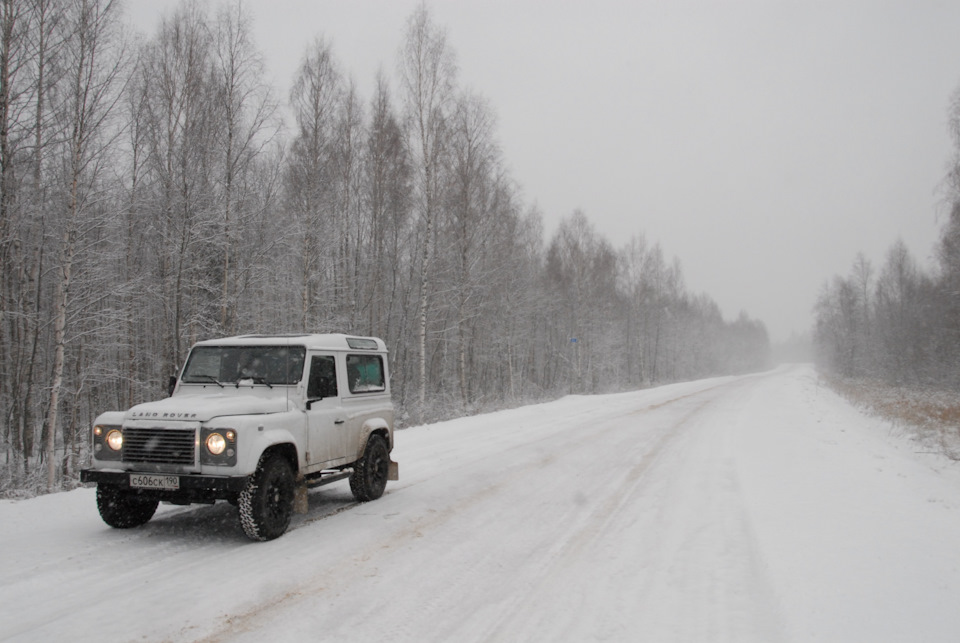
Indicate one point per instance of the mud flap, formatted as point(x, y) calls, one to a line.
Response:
point(394, 471)
point(300, 503)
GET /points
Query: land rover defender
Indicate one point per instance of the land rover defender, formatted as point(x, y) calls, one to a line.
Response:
point(254, 420)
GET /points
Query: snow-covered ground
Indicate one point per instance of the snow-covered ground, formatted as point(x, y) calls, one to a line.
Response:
point(757, 508)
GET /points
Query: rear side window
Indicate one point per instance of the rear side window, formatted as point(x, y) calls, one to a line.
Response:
point(365, 374)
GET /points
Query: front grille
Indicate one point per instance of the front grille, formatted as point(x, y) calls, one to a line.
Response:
point(159, 446)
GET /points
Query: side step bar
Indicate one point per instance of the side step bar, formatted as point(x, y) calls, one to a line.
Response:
point(327, 477)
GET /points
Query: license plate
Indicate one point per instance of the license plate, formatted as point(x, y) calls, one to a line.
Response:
point(147, 481)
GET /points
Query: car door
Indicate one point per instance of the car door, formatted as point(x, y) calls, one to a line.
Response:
point(325, 437)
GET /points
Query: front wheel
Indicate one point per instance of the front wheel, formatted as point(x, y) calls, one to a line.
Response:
point(266, 503)
point(124, 508)
point(369, 477)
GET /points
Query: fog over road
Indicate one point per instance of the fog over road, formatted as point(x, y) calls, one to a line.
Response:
point(758, 508)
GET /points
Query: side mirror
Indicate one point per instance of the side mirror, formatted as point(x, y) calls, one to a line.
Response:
point(171, 384)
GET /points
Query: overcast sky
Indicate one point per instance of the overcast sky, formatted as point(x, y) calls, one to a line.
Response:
point(764, 144)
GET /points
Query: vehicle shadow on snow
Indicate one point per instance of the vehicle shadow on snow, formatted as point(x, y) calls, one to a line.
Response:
point(221, 522)
point(196, 522)
point(324, 503)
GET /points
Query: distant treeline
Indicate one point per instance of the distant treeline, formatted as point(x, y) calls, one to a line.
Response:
point(901, 324)
point(152, 197)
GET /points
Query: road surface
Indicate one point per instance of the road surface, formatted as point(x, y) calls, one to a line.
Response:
point(754, 508)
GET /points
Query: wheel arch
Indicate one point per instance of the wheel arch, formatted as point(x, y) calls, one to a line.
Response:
point(286, 450)
point(374, 426)
point(253, 448)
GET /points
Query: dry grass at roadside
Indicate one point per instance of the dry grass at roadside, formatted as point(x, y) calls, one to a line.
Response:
point(932, 417)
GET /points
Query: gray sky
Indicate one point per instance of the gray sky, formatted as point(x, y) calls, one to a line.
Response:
point(765, 144)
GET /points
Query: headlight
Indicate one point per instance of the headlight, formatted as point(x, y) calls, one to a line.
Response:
point(114, 439)
point(219, 447)
point(107, 442)
point(216, 443)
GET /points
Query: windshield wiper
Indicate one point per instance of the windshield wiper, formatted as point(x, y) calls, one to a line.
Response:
point(207, 378)
point(255, 380)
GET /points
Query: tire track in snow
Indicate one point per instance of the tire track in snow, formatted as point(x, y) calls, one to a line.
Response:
point(706, 562)
point(593, 528)
point(703, 578)
point(517, 461)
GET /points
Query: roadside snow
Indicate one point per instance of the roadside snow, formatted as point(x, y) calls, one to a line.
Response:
point(759, 508)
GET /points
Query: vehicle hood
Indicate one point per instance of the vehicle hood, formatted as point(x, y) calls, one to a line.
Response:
point(200, 408)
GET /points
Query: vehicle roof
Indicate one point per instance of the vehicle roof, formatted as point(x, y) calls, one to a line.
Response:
point(326, 341)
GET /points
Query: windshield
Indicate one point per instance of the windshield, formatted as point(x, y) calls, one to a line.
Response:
point(259, 364)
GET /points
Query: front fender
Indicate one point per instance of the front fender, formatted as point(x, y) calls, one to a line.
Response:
point(257, 433)
point(260, 441)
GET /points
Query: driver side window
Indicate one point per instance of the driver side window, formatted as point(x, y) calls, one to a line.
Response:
point(323, 377)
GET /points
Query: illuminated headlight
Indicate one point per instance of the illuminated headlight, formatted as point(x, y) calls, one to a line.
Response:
point(219, 447)
point(216, 444)
point(114, 439)
point(107, 442)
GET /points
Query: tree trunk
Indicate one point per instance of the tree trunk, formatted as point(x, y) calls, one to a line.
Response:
point(59, 342)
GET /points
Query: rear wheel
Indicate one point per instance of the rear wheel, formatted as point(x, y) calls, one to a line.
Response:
point(266, 503)
point(370, 473)
point(124, 508)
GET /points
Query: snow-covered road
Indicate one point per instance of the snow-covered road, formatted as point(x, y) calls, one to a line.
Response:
point(757, 508)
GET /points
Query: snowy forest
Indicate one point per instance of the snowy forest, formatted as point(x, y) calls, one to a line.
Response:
point(899, 324)
point(157, 190)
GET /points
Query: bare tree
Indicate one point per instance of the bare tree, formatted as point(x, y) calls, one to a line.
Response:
point(351, 223)
point(898, 290)
point(314, 98)
point(428, 75)
point(474, 160)
point(176, 69)
point(632, 282)
point(895, 329)
point(248, 116)
point(94, 64)
point(388, 185)
point(581, 269)
point(50, 36)
point(14, 96)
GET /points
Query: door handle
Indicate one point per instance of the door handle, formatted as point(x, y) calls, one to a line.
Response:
point(339, 421)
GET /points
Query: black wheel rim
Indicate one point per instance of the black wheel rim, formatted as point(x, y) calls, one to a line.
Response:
point(380, 468)
point(277, 498)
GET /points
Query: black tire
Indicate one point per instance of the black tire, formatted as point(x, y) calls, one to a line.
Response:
point(266, 503)
point(369, 477)
point(124, 508)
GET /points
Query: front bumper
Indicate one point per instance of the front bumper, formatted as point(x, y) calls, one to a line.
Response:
point(193, 488)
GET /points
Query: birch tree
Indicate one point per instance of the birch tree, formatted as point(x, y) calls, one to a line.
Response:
point(428, 76)
point(176, 70)
point(474, 157)
point(314, 99)
point(15, 379)
point(94, 71)
point(632, 284)
point(388, 198)
point(248, 116)
point(898, 309)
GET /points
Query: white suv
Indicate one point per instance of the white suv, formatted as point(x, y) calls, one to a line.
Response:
point(254, 420)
